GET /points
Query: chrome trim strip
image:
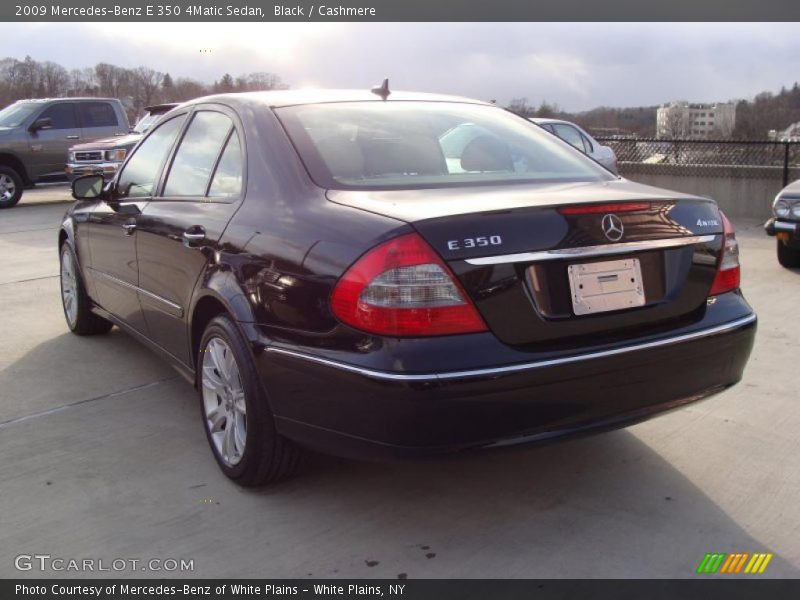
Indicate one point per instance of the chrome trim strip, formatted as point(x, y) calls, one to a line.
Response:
point(589, 251)
point(783, 226)
point(176, 307)
point(447, 375)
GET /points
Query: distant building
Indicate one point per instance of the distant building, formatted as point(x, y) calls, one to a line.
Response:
point(698, 121)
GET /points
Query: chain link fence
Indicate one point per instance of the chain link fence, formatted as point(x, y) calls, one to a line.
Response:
point(707, 158)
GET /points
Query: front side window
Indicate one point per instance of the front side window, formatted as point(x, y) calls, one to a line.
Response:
point(139, 174)
point(61, 115)
point(97, 114)
point(196, 156)
point(402, 144)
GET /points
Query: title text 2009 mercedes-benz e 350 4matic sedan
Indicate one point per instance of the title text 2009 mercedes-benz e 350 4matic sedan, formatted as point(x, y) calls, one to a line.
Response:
point(376, 274)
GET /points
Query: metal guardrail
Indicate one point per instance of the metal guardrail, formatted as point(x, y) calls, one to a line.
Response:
point(708, 158)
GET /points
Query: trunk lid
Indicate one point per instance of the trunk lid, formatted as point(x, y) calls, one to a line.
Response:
point(526, 254)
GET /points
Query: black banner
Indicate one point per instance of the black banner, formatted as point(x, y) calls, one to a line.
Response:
point(464, 589)
point(401, 10)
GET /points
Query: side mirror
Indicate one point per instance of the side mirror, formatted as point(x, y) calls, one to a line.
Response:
point(45, 123)
point(88, 187)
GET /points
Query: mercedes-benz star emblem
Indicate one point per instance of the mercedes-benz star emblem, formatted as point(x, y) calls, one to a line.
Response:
point(612, 227)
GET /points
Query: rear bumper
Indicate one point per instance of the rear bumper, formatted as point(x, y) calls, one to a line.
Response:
point(346, 409)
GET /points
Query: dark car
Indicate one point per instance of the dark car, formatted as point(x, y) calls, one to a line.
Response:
point(315, 266)
point(104, 156)
point(785, 225)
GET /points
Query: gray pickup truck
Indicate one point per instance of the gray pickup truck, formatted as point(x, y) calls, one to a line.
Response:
point(36, 134)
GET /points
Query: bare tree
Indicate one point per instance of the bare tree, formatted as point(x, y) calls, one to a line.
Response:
point(673, 122)
point(54, 79)
point(148, 81)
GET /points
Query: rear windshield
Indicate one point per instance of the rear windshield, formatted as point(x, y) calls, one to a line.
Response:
point(400, 145)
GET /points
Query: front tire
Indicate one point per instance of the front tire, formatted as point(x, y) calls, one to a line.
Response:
point(74, 299)
point(11, 186)
point(239, 424)
point(788, 257)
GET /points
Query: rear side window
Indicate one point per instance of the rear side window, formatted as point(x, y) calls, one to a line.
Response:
point(97, 114)
point(588, 144)
point(571, 135)
point(139, 174)
point(198, 153)
point(227, 181)
point(61, 115)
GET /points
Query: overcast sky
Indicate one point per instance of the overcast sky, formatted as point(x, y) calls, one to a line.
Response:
point(578, 66)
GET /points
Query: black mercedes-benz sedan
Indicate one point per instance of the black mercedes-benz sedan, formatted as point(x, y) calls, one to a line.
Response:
point(379, 274)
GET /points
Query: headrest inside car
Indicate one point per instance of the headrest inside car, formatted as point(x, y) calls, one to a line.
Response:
point(486, 153)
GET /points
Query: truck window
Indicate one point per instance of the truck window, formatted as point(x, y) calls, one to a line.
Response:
point(61, 115)
point(97, 114)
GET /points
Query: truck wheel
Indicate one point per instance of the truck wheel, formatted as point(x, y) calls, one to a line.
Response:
point(10, 187)
point(238, 421)
point(788, 257)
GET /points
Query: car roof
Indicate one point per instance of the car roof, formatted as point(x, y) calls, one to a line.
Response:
point(278, 98)
point(68, 99)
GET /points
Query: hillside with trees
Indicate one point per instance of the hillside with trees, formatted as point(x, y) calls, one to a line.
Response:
point(137, 88)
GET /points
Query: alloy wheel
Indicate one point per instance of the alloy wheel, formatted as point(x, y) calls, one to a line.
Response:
point(223, 401)
point(69, 288)
point(7, 187)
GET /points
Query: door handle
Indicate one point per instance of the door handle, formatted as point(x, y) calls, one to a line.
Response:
point(129, 227)
point(73, 137)
point(193, 235)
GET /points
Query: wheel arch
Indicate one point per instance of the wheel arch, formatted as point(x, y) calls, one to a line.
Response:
point(9, 159)
point(219, 294)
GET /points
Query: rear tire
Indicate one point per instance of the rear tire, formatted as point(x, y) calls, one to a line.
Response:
point(788, 257)
point(11, 186)
point(74, 299)
point(239, 424)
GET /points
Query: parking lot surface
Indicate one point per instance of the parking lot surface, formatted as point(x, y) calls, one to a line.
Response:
point(104, 456)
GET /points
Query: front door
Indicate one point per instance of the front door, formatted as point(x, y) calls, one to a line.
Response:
point(49, 146)
point(178, 231)
point(113, 227)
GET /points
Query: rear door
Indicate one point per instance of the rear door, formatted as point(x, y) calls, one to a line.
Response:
point(178, 231)
point(49, 146)
point(98, 120)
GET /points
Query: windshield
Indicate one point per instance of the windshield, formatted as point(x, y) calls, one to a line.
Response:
point(16, 114)
point(394, 145)
point(145, 123)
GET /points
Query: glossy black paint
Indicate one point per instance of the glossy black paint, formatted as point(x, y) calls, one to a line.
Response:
point(271, 257)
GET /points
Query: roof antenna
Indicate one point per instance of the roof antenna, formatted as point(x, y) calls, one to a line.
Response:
point(382, 90)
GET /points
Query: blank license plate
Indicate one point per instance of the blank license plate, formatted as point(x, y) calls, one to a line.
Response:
point(604, 286)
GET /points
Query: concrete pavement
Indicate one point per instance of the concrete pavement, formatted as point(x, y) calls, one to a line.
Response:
point(104, 456)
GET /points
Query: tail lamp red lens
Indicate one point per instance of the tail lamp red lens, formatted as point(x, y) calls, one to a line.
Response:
point(728, 270)
point(402, 288)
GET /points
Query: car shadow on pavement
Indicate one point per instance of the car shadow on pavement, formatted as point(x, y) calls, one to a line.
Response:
point(132, 475)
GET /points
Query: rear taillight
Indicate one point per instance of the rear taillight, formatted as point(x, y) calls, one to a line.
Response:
point(728, 271)
point(402, 288)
